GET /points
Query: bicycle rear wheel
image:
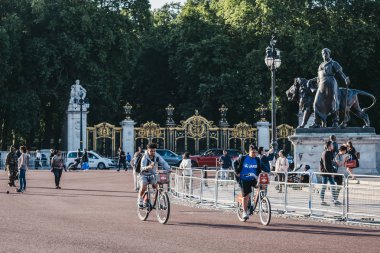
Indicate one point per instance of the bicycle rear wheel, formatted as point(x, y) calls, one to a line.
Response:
point(265, 211)
point(163, 207)
point(143, 212)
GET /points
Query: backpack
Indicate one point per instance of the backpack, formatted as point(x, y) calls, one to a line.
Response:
point(137, 164)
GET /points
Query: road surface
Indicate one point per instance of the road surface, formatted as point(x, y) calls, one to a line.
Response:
point(95, 211)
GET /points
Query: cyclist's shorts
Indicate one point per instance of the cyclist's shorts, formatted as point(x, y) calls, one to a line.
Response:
point(148, 179)
point(246, 186)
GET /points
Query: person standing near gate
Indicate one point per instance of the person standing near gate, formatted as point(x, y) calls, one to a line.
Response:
point(282, 166)
point(225, 162)
point(11, 166)
point(122, 160)
point(129, 158)
point(134, 166)
point(38, 161)
point(23, 162)
point(326, 166)
point(84, 160)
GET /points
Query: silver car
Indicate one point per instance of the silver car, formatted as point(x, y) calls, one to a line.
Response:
point(170, 157)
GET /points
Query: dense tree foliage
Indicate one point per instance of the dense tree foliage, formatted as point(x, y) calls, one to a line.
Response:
point(198, 56)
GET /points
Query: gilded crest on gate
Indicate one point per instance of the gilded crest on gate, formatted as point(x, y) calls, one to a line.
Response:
point(284, 130)
point(150, 130)
point(197, 126)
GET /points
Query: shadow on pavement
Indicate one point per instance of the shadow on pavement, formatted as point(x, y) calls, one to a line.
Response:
point(304, 229)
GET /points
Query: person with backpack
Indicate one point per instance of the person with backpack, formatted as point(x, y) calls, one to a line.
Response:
point(136, 157)
point(247, 170)
point(58, 166)
point(11, 166)
point(148, 168)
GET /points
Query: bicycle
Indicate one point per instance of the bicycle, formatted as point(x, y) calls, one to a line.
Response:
point(259, 198)
point(160, 200)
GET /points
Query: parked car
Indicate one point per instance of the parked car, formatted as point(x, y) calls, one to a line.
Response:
point(210, 157)
point(95, 160)
point(170, 157)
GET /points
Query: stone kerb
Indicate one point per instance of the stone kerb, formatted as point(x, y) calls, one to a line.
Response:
point(309, 143)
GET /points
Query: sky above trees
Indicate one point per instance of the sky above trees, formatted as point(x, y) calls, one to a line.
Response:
point(159, 3)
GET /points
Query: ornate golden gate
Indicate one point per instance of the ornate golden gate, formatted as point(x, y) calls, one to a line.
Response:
point(104, 138)
point(196, 134)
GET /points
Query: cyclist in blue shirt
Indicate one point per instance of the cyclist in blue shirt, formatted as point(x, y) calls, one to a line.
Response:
point(247, 169)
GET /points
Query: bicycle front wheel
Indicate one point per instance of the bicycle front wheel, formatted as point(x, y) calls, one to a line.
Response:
point(143, 212)
point(163, 207)
point(265, 211)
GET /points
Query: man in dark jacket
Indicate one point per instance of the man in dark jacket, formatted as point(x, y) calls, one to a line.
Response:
point(225, 162)
point(326, 166)
point(11, 166)
point(122, 160)
point(247, 169)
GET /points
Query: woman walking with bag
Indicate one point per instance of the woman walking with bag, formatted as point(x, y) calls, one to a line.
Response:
point(23, 162)
point(58, 166)
point(353, 161)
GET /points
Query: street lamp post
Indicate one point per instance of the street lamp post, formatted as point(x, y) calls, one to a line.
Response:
point(81, 102)
point(273, 61)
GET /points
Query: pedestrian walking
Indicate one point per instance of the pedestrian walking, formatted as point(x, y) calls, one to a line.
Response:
point(134, 161)
point(187, 172)
point(282, 166)
point(23, 162)
point(129, 159)
point(340, 161)
point(122, 160)
point(52, 153)
point(11, 166)
point(58, 166)
point(326, 166)
point(225, 162)
point(38, 161)
point(354, 156)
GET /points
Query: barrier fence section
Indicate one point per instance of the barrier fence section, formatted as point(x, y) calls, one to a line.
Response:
point(318, 195)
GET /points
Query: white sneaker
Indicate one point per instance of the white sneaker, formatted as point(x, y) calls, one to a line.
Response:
point(140, 202)
point(245, 215)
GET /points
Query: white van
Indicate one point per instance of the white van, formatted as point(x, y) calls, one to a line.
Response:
point(95, 160)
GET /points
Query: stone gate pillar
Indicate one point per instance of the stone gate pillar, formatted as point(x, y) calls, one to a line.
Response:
point(128, 135)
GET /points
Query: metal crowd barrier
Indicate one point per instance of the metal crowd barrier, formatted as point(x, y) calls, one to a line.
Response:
point(290, 193)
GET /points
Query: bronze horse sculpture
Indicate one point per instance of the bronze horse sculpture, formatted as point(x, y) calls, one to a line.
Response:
point(303, 93)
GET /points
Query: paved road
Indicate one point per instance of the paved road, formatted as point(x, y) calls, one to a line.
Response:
point(95, 211)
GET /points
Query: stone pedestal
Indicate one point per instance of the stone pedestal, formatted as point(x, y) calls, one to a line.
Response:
point(309, 144)
point(128, 136)
point(73, 127)
point(263, 134)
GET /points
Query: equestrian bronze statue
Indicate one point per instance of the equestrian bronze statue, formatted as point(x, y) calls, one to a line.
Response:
point(303, 91)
